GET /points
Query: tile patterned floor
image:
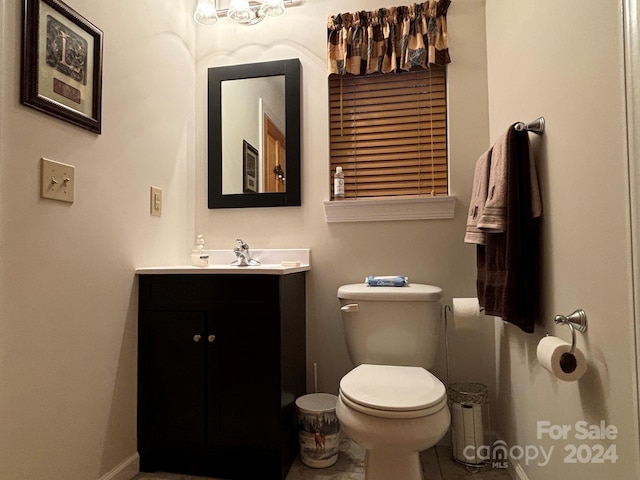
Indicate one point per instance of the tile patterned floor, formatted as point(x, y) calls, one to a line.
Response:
point(436, 465)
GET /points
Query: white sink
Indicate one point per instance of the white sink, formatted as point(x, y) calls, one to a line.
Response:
point(265, 257)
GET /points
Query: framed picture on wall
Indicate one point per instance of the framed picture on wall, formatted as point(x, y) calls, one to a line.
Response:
point(249, 168)
point(61, 63)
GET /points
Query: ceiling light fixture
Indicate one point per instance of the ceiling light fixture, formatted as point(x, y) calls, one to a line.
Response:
point(206, 13)
point(244, 12)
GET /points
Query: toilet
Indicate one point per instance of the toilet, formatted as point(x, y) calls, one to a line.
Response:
point(390, 403)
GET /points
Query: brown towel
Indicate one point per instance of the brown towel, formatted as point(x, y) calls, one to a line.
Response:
point(478, 199)
point(494, 215)
point(508, 264)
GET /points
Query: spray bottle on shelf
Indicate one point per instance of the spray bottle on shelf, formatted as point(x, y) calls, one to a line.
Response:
point(338, 184)
point(199, 257)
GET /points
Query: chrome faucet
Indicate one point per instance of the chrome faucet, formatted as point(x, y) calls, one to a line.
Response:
point(243, 257)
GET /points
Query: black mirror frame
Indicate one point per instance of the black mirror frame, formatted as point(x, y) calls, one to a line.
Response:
point(292, 197)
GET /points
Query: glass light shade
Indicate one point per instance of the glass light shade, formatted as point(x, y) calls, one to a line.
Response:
point(239, 11)
point(272, 8)
point(205, 13)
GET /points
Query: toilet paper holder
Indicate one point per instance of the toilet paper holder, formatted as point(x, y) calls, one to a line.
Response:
point(575, 321)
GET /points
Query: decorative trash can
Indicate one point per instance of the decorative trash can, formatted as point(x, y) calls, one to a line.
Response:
point(469, 421)
point(319, 429)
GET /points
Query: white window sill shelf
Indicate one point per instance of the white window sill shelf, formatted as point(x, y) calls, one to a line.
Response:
point(389, 209)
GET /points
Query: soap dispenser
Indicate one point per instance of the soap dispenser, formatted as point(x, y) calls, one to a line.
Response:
point(199, 257)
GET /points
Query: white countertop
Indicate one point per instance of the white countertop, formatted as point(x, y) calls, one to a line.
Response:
point(222, 269)
point(220, 263)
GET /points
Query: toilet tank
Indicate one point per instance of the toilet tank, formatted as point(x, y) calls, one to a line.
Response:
point(391, 325)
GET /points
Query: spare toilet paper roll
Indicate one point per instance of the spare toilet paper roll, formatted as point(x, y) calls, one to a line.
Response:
point(466, 312)
point(553, 354)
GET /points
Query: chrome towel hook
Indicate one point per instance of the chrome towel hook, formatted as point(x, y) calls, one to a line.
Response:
point(576, 321)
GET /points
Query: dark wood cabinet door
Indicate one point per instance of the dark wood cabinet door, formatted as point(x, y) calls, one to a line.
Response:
point(175, 390)
point(244, 379)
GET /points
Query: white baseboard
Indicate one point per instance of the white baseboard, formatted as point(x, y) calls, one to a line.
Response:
point(128, 469)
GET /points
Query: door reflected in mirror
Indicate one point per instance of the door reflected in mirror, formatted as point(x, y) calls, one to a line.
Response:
point(274, 143)
point(254, 135)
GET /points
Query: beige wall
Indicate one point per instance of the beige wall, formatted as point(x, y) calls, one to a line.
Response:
point(564, 60)
point(427, 251)
point(67, 289)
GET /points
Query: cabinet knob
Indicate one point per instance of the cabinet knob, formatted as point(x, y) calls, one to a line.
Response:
point(211, 338)
point(196, 338)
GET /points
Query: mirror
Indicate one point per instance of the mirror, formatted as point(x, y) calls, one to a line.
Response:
point(254, 135)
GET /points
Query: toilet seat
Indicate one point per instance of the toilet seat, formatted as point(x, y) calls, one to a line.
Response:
point(392, 391)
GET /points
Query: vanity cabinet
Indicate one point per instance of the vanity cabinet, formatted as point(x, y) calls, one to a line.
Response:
point(221, 360)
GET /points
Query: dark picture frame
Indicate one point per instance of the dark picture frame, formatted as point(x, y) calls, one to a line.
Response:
point(250, 158)
point(61, 64)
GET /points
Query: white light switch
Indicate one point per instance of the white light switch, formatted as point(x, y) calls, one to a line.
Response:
point(57, 180)
point(156, 201)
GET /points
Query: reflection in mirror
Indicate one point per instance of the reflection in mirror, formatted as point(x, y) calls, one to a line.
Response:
point(254, 135)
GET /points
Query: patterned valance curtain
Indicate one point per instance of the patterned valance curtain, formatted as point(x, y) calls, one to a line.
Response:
point(388, 39)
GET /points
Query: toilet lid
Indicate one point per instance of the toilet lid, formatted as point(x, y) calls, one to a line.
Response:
point(412, 292)
point(392, 388)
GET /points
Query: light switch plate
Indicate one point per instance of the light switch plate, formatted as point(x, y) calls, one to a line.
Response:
point(156, 201)
point(57, 180)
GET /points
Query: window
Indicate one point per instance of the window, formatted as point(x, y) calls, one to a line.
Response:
point(389, 133)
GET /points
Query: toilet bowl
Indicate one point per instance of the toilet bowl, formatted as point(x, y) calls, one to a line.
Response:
point(394, 412)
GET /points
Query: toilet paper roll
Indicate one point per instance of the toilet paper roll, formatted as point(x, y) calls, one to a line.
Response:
point(467, 430)
point(553, 354)
point(466, 312)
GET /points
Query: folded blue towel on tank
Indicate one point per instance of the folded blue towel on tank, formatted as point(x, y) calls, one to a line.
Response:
point(386, 281)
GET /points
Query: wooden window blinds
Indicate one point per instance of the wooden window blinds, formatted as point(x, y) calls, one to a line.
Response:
point(389, 133)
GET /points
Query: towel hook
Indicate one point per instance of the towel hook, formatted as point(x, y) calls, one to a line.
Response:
point(575, 321)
